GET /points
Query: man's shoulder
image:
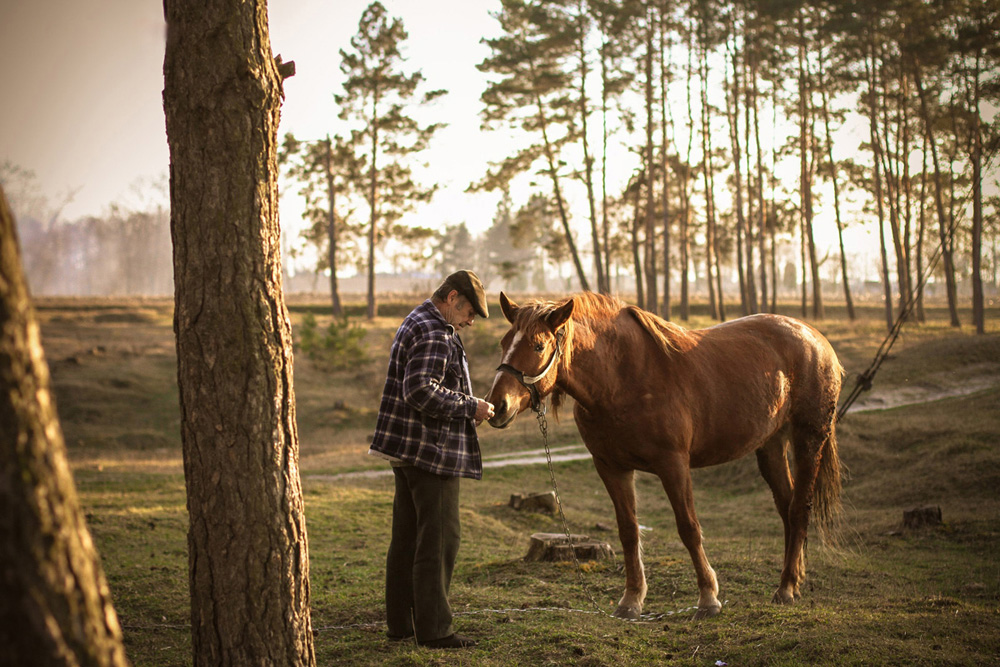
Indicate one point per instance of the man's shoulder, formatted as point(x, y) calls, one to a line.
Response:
point(424, 320)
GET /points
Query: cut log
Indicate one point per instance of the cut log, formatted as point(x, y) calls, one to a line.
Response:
point(534, 502)
point(551, 547)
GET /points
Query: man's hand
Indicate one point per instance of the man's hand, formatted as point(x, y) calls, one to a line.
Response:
point(484, 410)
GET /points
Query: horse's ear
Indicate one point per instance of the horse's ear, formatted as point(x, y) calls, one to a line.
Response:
point(508, 307)
point(558, 317)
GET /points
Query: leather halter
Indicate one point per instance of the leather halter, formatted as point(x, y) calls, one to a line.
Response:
point(529, 381)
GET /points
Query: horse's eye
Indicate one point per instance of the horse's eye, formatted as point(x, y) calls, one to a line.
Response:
point(539, 348)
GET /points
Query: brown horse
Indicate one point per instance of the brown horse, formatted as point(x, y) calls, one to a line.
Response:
point(652, 396)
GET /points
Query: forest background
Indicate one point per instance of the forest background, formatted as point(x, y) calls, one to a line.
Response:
point(740, 152)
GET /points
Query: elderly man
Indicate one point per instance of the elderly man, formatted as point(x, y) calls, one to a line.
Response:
point(427, 429)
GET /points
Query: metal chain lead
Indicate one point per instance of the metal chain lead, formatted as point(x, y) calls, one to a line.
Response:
point(543, 426)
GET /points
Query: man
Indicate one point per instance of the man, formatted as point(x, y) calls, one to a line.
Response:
point(427, 429)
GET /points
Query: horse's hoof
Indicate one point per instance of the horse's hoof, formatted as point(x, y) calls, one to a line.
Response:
point(707, 612)
point(782, 596)
point(628, 613)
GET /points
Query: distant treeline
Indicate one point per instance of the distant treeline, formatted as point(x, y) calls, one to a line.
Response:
point(122, 254)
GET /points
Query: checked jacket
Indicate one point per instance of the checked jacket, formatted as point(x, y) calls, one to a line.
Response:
point(427, 414)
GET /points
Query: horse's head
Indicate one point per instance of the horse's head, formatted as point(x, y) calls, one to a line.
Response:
point(529, 358)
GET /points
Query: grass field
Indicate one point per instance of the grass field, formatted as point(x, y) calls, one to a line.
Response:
point(886, 596)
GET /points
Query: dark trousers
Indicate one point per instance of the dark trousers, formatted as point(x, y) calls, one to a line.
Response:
point(425, 539)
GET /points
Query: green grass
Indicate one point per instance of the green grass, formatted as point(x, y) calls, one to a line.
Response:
point(885, 596)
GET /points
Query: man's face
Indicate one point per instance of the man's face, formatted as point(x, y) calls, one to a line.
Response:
point(459, 312)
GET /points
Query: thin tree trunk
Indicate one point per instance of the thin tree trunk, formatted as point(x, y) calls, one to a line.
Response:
point(762, 211)
point(588, 163)
point(649, 245)
point(921, 229)
point(666, 119)
point(55, 606)
point(978, 306)
point(247, 548)
point(556, 187)
point(805, 147)
point(748, 290)
point(373, 209)
point(712, 266)
point(825, 108)
point(877, 159)
point(636, 261)
point(894, 196)
point(944, 230)
point(331, 231)
point(685, 183)
point(906, 188)
point(605, 226)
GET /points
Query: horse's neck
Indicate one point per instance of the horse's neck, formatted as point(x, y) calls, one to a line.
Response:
point(588, 380)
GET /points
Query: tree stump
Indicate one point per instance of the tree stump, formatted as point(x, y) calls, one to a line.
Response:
point(534, 502)
point(922, 516)
point(552, 547)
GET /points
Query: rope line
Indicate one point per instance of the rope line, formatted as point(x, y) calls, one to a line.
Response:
point(865, 379)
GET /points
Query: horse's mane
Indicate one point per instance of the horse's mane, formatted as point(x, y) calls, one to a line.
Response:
point(595, 312)
point(670, 337)
point(599, 310)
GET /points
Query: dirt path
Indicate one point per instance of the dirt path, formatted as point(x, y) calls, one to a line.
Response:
point(931, 388)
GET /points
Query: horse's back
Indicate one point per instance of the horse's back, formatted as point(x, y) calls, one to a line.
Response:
point(795, 349)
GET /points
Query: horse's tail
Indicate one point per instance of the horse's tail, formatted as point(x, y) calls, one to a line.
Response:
point(827, 509)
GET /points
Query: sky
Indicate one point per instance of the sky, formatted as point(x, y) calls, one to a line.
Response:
point(83, 83)
point(82, 105)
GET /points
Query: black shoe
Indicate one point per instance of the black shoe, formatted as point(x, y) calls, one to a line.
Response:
point(398, 638)
point(451, 641)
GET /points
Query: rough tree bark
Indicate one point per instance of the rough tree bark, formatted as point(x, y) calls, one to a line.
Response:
point(247, 547)
point(55, 606)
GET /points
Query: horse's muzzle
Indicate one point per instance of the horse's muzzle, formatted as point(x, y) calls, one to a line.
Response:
point(503, 415)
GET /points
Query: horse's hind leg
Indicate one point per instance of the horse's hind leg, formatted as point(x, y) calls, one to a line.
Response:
point(773, 464)
point(808, 448)
point(621, 487)
point(676, 478)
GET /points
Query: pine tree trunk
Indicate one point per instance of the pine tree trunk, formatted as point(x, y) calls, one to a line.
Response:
point(825, 109)
point(978, 306)
point(588, 162)
point(762, 211)
point(879, 201)
point(806, 176)
point(543, 127)
point(373, 212)
point(331, 231)
point(55, 607)
point(665, 308)
point(649, 244)
point(686, 186)
point(640, 294)
point(744, 265)
point(894, 197)
point(944, 230)
point(921, 229)
point(712, 267)
point(247, 548)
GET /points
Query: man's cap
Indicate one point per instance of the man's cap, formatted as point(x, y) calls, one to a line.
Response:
point(470, 286)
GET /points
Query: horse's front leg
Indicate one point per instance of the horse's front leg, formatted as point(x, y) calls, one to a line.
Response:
point(621, 487)
point(676, 478)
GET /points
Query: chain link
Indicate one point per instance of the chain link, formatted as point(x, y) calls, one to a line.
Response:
point(543, 426)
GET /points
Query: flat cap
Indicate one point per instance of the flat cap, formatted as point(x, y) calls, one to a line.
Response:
point(470, 286)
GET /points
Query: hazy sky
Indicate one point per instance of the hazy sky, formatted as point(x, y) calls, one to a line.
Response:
point(82, 89)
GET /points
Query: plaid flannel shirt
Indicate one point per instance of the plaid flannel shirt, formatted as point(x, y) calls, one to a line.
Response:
point(427, 415)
